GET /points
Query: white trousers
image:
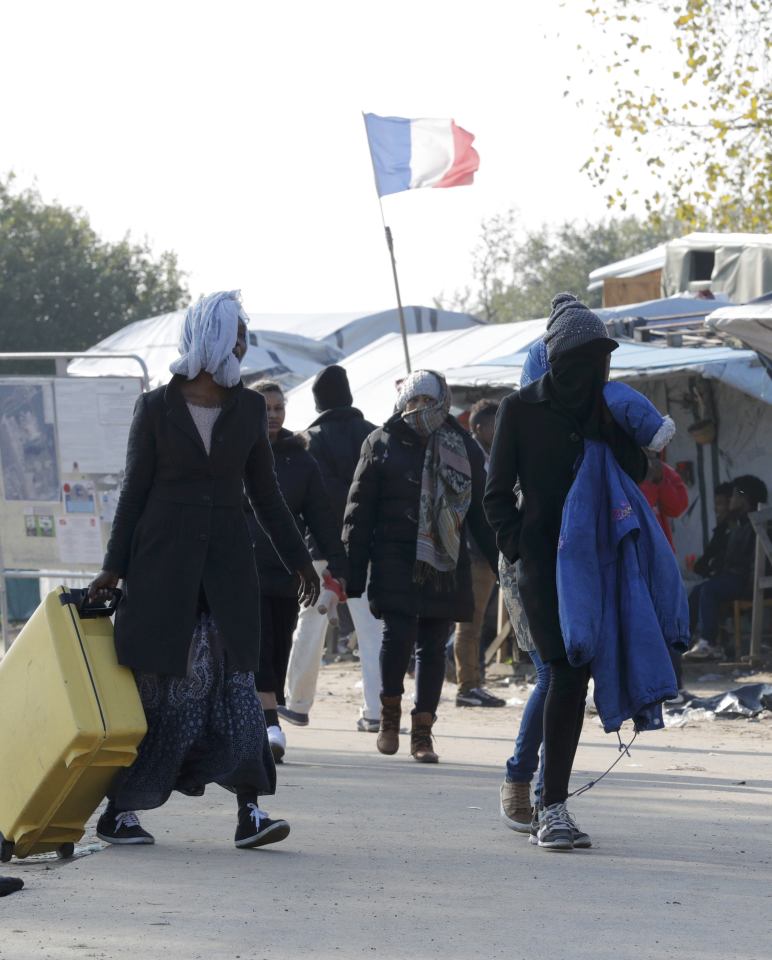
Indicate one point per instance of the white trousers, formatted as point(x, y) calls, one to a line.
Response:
point(306, 655)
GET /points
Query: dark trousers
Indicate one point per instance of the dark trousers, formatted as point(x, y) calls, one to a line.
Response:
point(278, 619)
point(402, 634)
point(709, 597)
point(563, 718)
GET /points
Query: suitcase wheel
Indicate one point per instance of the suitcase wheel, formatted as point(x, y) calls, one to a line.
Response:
point(65, 851)
point(6, 849)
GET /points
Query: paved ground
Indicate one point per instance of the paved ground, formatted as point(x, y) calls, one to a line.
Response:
point(390, 859)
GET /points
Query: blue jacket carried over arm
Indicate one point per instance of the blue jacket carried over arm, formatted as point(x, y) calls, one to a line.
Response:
point(622, 602)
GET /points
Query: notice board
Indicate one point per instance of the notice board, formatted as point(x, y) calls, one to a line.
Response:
point(62, 454)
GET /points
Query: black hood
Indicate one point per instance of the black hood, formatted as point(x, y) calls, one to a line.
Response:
point(331, 389)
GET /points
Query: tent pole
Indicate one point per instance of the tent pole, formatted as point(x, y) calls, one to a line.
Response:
point(403, 328)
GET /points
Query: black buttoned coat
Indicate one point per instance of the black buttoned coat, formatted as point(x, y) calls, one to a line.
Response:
point(180, 526)
point(536, 447)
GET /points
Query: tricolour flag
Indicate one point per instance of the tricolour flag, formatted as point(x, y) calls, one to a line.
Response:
point(408, 154)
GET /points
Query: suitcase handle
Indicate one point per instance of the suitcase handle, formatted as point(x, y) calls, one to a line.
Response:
point(91, 611)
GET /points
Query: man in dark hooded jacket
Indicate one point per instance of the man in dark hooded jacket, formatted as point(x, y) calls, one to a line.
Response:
point(335, 440)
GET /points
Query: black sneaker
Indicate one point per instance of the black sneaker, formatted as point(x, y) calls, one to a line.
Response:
point(534, 833)
point(581, 840)
point(292, 716)
point(122, 828)
point(478, 697)
point(256, 829)
point(556, 831)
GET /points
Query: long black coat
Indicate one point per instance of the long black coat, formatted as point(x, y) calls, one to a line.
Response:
point(335, 441)
point(304, 491)
point(180, 525)
point(537, 447)
point(381, 526)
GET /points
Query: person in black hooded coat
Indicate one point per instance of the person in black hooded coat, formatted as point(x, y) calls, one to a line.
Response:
point(306, 496)
point(536, 446)
point(390, 523)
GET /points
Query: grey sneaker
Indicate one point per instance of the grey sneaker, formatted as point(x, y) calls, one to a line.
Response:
point(582, 840)
point(534, 829)
point(555, 828)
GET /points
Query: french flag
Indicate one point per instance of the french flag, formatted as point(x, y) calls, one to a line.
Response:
point(408, 154)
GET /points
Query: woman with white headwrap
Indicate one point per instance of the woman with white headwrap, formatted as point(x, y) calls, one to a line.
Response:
point(189, 621)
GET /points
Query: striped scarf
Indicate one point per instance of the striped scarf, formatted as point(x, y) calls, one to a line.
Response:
point(446, 493)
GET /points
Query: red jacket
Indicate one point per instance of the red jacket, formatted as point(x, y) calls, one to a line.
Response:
point(668, 498)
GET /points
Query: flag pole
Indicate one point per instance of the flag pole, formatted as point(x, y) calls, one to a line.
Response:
point(390, 245)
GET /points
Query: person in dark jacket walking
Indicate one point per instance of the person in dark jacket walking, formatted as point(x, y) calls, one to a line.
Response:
point(335, 440)
point(304, 491)
point(189, 622)
point(419, 481)
point(539, 437)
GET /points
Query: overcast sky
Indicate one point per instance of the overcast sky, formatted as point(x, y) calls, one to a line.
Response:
point(231, 132)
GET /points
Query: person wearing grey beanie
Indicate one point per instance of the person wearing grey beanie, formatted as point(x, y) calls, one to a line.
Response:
point(572, 324)
point(539, 436)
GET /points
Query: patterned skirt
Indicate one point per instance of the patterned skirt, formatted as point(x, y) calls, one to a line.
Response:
point(207, 727)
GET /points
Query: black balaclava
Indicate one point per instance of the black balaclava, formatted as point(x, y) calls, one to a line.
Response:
point(331, 389)
point(575, 381)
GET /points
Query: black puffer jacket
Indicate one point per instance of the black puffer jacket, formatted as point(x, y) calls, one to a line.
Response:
point(335, 441)
point(304, 492)
point(381, 526)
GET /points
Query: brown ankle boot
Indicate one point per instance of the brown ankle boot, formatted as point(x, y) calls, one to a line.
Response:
point(388, 736)
point(421, 746)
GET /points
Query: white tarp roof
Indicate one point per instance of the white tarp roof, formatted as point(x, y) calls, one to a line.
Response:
point(492, 356)
point(285, 357)
point(374, 371)
point(350, 332)
point(751, 323)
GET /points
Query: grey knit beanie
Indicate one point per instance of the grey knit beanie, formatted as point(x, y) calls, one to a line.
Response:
point(571, 324)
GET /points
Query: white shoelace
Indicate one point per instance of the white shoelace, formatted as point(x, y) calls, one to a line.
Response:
point(126, 819)
point(257, 814)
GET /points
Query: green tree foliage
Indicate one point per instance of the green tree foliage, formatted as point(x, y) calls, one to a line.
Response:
point(703, 124)
point(516, 272)
point(64, 288)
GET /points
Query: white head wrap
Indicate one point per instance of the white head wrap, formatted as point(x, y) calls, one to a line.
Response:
point(208, 338)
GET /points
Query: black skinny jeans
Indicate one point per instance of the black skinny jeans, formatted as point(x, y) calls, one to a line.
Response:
point(401, 634)
point(563, 718)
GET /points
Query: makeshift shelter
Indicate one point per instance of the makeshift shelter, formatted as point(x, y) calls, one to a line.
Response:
point(350, 332)
point(717, 386)
point(750, 323)
point(737, 265)
point(286, 357)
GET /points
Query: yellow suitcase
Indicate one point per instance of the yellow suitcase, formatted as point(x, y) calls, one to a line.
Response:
point(70, 717)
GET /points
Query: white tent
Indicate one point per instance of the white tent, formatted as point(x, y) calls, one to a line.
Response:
point(350, 332)
point(285, 357)
point(751, 323)
point(374, 371)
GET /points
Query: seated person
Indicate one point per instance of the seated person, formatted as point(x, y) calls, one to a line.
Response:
point(735, 579)
point(712, 561)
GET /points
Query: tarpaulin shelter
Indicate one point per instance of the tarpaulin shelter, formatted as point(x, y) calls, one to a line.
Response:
point(751, 323)
point(286, 357)
point(350, 332)
point(718, 383)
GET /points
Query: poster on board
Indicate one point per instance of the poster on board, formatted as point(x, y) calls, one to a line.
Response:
point(28, 443)
point(93, 417)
